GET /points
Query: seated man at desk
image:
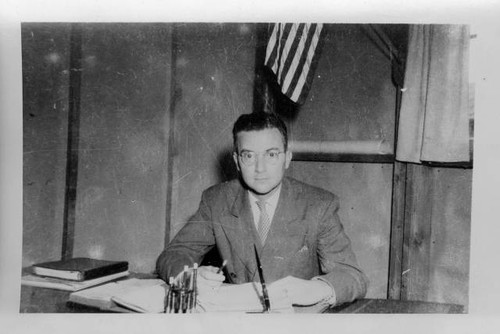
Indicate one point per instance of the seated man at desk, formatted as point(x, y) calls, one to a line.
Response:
point(300, 240)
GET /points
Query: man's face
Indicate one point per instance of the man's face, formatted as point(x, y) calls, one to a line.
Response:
point(267, 170)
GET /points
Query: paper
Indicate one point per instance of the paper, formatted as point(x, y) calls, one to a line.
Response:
point(147, 299)
point(148, 296)
point(139, 295)
point(243, 298)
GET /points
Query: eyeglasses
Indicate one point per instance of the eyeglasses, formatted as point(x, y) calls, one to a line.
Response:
point(249, 158)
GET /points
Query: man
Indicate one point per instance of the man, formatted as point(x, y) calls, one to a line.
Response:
point(298, 234)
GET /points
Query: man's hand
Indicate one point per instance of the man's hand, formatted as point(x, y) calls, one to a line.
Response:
point(208, 281)
point(301, 291)
point(207, 275)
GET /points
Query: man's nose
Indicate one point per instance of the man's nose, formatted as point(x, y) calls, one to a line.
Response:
point(260, 163)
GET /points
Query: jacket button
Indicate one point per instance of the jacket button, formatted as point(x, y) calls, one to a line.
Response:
point(233, 275)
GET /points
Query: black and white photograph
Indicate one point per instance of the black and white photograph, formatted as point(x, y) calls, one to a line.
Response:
point(254, 170)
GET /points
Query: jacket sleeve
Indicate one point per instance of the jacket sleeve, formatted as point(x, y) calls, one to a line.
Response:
point(190, 245)
point(337, 260)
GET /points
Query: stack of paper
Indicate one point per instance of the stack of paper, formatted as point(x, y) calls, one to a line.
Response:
point(146, 299)
point(245, 297)
point(139, 295)
point(148, 296)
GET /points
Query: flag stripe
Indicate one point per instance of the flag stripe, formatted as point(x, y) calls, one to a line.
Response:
point(290, 54)
point(279, 35)
point(286, 41)
point(303, 72)
point(272, 46)
point(312, 65)
point(299, 61)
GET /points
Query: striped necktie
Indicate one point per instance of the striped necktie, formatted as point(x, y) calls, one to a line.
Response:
point(264, 221)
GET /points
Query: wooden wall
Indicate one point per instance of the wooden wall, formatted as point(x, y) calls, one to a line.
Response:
point(124, 131)
point(353, 98)
point(214, 78)
point(45, 53)
point(437, 234)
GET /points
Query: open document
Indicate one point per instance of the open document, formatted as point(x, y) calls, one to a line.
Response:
point(148, 296)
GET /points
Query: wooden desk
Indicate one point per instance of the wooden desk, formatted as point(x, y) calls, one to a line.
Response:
point(42, 300)
point(395, 306)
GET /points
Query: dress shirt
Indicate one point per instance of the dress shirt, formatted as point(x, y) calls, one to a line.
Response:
point(271, 204)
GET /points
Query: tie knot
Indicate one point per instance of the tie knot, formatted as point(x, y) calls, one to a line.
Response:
point(261, 205)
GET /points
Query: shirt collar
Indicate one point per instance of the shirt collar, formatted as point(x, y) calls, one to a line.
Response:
point(273, 200)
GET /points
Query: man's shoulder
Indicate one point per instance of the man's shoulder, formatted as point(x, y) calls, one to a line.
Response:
point(231, 187)
point(310, 191)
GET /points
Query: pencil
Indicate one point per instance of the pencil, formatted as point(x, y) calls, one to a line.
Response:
point(195, 288)
point(168, 301)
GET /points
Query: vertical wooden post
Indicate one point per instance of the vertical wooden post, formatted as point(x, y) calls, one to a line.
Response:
point(417, 233)
point(263, 96)
point(399, 177)
point(397, 230)
point(174, 95)
point(73, 138)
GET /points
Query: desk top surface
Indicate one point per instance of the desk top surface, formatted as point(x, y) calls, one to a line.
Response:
point(43, 300)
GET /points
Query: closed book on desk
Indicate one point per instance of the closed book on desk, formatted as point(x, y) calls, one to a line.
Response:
point(79, 268)
point(68, 285)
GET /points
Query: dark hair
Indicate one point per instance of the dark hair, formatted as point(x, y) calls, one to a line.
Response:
point(259, 121)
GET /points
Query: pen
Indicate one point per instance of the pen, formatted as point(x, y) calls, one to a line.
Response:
point(222, 267)
point(195, 288)
point(267, 306)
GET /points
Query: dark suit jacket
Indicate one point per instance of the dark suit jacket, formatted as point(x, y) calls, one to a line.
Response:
point(306, 238)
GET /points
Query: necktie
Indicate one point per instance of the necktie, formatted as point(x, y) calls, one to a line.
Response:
point(264, 221)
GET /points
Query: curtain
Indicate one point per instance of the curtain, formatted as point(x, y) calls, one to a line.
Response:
point(434, 116)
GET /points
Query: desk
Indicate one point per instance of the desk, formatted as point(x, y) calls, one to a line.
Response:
point(42, 300)
point(395, 306)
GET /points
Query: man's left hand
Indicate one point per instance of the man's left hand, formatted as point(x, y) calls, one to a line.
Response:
point(301, 291)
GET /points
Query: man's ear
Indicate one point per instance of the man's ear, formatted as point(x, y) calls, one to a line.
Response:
point(236, 162)
point(288, 158)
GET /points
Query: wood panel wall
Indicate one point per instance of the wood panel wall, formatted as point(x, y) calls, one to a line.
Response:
point(352, 98)
point(437, 234)
point(45, 53)
point(122, 149)
point(214, 85)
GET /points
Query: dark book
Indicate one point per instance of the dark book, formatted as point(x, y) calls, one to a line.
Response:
point(79, 268)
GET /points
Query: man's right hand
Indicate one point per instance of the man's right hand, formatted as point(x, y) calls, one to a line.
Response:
point(209, 278)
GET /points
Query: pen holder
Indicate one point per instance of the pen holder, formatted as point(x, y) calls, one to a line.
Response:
point(180, 300)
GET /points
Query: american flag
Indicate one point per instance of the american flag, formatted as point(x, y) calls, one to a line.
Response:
point(291, 54)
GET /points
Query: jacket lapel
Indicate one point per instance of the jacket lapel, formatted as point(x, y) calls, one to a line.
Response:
point(240, 229)
point(287, 229)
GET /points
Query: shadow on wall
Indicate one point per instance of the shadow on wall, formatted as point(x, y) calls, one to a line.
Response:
point(226, 167)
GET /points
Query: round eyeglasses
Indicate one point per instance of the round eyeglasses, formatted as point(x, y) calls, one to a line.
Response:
point(248, 158)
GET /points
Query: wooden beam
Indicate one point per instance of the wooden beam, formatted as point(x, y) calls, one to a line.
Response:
point(75, 76)
point(417, 232)
point(263, 98)
point(398, 203)
point(344, 157)
point(174, 95)
point(397, 230)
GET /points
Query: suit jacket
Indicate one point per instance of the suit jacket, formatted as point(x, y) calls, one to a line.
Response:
point(306, 239)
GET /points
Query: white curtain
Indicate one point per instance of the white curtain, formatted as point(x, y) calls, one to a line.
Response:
point(434, 116)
